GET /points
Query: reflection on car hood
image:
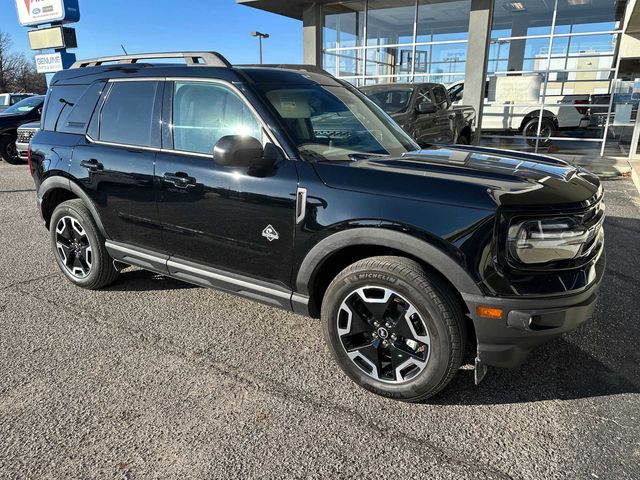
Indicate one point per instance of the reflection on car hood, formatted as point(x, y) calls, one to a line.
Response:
point(472, 176)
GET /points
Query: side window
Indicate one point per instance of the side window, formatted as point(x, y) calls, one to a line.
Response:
point(60, 101)
point(128, 114)
point(424, 96)
point(440, 97)
point(203, 113)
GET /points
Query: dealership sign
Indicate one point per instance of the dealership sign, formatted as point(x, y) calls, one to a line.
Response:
point(54, 62)
point(39, 12)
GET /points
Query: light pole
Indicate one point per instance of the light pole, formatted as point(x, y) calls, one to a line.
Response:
point(260, 37)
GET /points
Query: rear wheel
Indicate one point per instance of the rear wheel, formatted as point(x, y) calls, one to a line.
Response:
point(392, 329)
point(8, 150)
point(79, 246)
point(547, 130)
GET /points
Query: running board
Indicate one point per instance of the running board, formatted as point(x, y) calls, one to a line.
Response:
point(208, 277)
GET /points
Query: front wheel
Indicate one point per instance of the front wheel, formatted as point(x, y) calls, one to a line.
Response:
point(79, 246)
point(8, 150)
point(393, 329)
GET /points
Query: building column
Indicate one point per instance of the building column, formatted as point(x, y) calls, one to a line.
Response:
point(519, 28)
point(312, 35)
point(477, 56)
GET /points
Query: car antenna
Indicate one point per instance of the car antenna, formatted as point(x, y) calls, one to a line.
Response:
point(123, 49)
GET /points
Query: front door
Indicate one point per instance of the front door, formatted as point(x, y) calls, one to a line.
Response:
point(115, 165)
point(233, 219)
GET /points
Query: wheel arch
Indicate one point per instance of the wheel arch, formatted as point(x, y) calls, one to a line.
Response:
point(57, 189)
point(334, 253)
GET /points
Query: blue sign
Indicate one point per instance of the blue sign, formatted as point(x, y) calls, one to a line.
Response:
point(40, 12)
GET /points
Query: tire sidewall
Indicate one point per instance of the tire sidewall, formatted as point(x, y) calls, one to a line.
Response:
point(440, 350)
point(64, 210)
point(543, 141)
point(5, 143)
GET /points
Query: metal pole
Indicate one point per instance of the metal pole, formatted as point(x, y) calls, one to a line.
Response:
point(260, 38)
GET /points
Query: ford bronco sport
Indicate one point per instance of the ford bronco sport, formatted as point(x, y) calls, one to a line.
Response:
point(219, 176)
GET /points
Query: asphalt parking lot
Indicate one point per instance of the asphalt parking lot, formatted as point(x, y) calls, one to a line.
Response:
point(153, 378)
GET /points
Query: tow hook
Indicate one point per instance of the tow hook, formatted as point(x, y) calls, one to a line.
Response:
point(479, 371)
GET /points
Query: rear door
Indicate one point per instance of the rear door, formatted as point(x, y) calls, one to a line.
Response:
point(115, 163)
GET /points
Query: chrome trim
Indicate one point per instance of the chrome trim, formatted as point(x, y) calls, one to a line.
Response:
point(123, 145)
point(301, 204)
point(250, 289)
point(140, 79)
point(286, 295)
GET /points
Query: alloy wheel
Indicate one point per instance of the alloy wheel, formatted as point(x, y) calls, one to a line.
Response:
point(383, 334)
point(73, 247)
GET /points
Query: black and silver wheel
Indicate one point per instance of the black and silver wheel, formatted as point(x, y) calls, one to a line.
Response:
point(8, 150)
point(73, 247)
point(392, 329)
point(79, 247)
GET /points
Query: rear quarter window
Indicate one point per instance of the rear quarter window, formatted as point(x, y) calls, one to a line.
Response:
point(79, 116)
point(60, 102)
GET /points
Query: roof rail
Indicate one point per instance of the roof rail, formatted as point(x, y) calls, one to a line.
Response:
point(192, 59)
point(289, 66)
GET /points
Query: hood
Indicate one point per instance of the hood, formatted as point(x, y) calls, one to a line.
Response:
point(475, 177)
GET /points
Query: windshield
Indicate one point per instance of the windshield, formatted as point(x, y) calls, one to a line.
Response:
point(334, 123)
point(394, 100)
point(25, 106)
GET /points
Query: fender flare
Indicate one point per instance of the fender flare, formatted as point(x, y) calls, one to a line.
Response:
point(420, 249)
point(58, 182)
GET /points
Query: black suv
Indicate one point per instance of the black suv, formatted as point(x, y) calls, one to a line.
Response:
point(219, 176)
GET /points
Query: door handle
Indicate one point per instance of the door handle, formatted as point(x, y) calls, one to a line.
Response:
point(180, 180)
point(92, 165)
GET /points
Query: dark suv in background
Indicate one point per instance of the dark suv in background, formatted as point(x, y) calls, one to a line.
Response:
point(225, 177)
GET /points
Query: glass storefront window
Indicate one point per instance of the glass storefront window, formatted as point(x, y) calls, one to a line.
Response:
point(344, 25)
point(443, 21)
point(390, 22)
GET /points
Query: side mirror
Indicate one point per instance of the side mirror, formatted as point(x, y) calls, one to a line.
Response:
point(241, 151)
point(426, 107)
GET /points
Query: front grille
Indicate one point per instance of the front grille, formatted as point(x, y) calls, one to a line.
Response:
point(26, 134)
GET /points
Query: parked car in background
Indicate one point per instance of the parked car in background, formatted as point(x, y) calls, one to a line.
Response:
point(512, 105)
point(425, 111)
point(8, 99)
point(25, 111)
point(25, 134)
point(227, 177)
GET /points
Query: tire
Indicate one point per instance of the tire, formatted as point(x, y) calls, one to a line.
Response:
point(8, 150)
point(79, 247)
point(547, 129)
point(423, 325)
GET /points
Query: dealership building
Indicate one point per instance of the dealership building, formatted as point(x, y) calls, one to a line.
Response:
point(559, 76)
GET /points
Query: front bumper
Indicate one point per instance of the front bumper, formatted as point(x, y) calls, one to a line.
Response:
point(23, 150)
point(527, 323)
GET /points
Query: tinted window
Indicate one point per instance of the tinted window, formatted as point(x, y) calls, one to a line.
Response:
point(80, 114)
point(128, 114)
point(205, 112)
point(26, 105)
point(59, 104)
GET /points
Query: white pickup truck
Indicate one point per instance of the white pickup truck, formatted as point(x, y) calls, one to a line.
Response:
point(512, 105)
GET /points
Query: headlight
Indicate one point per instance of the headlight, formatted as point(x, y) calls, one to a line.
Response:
point(547, 240)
